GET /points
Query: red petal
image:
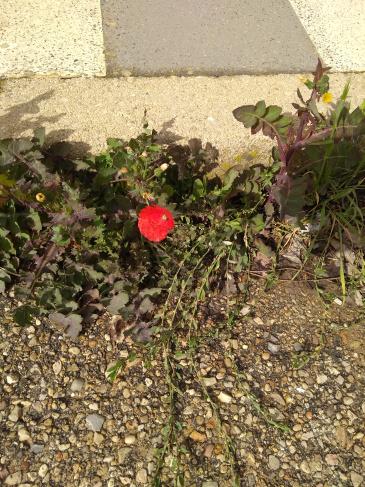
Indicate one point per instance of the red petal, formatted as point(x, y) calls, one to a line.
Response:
point(154, 222)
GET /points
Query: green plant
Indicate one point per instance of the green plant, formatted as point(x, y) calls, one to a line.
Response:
point(69, 242)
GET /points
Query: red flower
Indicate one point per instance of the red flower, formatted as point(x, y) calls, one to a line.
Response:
point(154, 222)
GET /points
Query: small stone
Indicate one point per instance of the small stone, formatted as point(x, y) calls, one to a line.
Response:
point(209, 381)
point(304, 467)
point(126, 393)
point(141, 476)
point(15, 414)
point(98, 439)
point(94, 422)
point(57, 367)
point(36, 448)
point(266, 356)
point(14, 478)
point(74, 350)
point(196, 436)
point(273, 348)
point(122, 454)
point(277, 398)
point(24, 436)
point(297, 427)
point(298, 347)
point(274, 462)
point(94, 406)
point(43, 469)
point(210, 483)
point(245, 310)
point(348, 401)
point(258, 321)
point(77, 385)
point(129, 439)
point(356, 479)
point(331, 459)
point(341, 436)
point(11, 379)
point(322, 379)
point(223, 397)
point(208, 452)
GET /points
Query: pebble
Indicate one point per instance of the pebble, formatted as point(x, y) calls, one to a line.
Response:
point(322, 379)
point(274, 462)
point(129, 439)
point(14, 478)
point(348, 401)
point(331, 459)
point(209, 381)
point(210, 483)
point(266, 356)
point(356, 479)
point(36, 448)
point(273, 348)
point(304, 467)
point(43, 469)
point(11, 379)
point(74, 350)
point(24, 436)
point(57, 367)
point(15, 414)
point(225, 398)
point(98, 438)
point(77, 385)
point(196, 436)
point(141, 476)
point(245, 310)
point(94, 422)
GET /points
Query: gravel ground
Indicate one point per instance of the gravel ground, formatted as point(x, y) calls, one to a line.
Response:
point(63, 424)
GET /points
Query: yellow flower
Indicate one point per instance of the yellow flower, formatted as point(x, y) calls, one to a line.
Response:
point(327, 97)
point(123, 170)
point(302, 78)
point(40, 197)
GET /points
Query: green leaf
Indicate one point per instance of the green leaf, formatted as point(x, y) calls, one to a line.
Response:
point(118, 302)
point(7, 245)
point(198, 188)
point(273, 113)
point(5, 181)
point(260, 108)
point(146, 306)
point(246, 115)
point(61, 236)
point(34, 221)
point(24, 314)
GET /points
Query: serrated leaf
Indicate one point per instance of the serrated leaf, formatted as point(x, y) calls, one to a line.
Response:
point(118, 302)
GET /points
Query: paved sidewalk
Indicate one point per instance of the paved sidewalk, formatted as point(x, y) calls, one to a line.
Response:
point(162, 37)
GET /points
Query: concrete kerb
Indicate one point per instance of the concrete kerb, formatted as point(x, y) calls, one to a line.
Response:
point(89, 110)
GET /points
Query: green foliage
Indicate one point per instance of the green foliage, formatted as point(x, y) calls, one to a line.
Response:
point(69, 242)
point(321, 155)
